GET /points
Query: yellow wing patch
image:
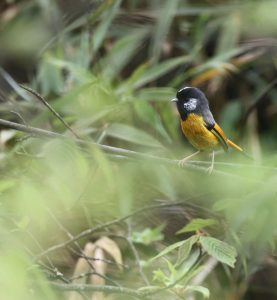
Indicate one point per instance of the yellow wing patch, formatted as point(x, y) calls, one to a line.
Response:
point(218, 132)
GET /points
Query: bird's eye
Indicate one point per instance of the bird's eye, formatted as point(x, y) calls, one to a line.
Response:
point(190, 105)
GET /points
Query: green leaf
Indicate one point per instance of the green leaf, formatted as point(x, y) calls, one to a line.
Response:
point(6, 184)
point(158, 275)
point(101, 30)
point(230, 115)
point(221, 251)
point(157, 94)
point(200, 289)
point(172, 269)
point(80, 74)
point(169, 249)
point(49, 76)
point(23, 223)
point(197, 224)
point(121, 53)
point(185, 249)
point(148, 114)
point(148, 235)
point(154, 72)
point(131, 134)
point(162, 27)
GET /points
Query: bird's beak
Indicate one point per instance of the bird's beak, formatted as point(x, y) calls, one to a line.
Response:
point(174, 100)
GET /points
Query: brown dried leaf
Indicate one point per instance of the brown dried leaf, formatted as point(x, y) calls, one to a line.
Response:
point(82, 267)
point(100, 268)
point(111, 248)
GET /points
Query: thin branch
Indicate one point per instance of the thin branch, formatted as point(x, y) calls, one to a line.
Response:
point(87, 258)
point(108, 289)
point(207, 268)
point(19, 116)
point(90, 231)
point(96, 274)
point(53, 111)
point(107, 261)
point(110, 149)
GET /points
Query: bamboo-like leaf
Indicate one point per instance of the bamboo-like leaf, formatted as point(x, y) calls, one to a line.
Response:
point(163, 94)
point(149, 115)
point(101, 31)
point(162, 27)
point(81, 74)
point(222, 251)
point(121, 53)
point(131, 134)
point(154, 72)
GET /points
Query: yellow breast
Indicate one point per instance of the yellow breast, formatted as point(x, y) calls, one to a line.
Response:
point(197, 134)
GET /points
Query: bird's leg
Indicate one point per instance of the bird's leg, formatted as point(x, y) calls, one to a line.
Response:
point(182, 162)
point(211, 167)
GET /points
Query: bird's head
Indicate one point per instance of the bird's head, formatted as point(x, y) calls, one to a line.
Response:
point(190, 100)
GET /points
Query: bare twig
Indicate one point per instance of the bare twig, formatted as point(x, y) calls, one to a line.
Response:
point(19, 116)
point(109, 149)
point(53, 111)
point(107, 261)
point(90, 231)
point(208, 267)
point(99, 288)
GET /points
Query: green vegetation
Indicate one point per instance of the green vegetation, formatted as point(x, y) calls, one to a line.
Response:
point(102, 210)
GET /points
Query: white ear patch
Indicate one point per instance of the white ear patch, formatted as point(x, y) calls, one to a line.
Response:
point(191, 104)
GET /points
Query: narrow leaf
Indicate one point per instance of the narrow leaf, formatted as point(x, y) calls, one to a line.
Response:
point(162, 27)
point(131, 134)
point(197, 224)
point(101, 30)
point(168, 249)
point(154, 72)
point(185, 249)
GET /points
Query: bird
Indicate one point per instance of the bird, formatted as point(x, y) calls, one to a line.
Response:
point(198, 124)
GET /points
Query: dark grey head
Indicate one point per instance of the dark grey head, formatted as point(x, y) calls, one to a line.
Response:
point(192, 100)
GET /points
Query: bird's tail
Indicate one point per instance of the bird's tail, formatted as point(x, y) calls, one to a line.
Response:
point(235, 146)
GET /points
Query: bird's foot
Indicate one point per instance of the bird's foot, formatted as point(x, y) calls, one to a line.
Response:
point(182, 162)
point(210, 170)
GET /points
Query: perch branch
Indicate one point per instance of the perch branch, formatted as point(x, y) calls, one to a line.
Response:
point(116, 151)
point(98, 288)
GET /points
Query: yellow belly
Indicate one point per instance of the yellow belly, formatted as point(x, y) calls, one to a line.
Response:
point(197, 134)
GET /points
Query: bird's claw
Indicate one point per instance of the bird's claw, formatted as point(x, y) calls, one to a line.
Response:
point(182, 162)
point(210, 170)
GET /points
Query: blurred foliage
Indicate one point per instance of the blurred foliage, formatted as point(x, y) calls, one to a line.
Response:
point(110, 68)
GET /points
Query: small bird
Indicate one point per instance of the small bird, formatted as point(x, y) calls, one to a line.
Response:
point(198, 124)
